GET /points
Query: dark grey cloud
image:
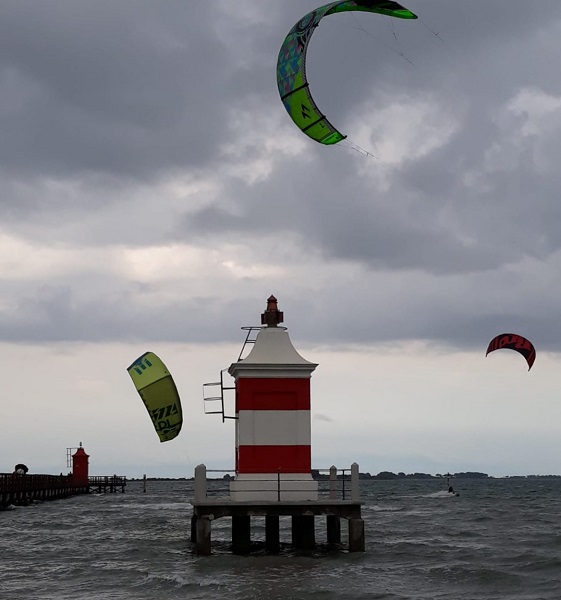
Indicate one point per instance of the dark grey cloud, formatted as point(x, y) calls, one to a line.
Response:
point(430, 217)
point(126, 88)
point(104, 107)
point(52, 313)
point(129, 88)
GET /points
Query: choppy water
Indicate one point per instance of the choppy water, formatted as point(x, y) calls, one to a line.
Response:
point(500, 539)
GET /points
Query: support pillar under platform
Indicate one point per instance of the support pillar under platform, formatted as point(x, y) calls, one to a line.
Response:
point(302, 514)
point(203, 529)
point(272, 533)
point(333, 529)
point(241, 534)
point(356, 535)
point(303, 532)
point(193, 528)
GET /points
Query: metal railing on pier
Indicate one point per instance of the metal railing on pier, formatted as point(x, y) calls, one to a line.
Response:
point(332, 484)
point(23, 489)
point(104, 484)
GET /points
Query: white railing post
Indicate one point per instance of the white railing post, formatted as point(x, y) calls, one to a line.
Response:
point(333, 482)
point(355, 492)
point(200, 483)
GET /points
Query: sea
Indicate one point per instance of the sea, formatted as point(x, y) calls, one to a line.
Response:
point(499, 539)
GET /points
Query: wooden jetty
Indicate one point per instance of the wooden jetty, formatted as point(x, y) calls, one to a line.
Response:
point(104, 484)
point(333, 506)
point(21, 490)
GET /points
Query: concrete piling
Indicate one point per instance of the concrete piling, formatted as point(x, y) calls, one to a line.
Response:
point(241, 534)
point(356, 535)
point(333, 529)
point(272, 533)
point(303, 532)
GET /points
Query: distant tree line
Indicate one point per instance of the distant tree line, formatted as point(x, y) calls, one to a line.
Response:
point(388, 475)
point(383, 475)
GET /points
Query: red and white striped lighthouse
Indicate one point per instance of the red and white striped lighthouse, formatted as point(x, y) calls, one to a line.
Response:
point(273, 426)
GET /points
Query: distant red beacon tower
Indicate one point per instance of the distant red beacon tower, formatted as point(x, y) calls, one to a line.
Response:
point(80, 466)
point(273, 422)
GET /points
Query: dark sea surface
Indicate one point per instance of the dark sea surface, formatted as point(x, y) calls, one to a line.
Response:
point(500, 539)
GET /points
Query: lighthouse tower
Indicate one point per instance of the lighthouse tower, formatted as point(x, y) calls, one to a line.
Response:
point(273, 422)
point(80, 466)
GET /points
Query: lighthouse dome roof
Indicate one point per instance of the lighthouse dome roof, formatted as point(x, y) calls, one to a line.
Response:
point(273, 350)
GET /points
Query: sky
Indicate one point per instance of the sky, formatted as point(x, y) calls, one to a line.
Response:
point(154, 192)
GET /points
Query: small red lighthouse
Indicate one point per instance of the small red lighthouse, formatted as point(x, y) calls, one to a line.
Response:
point(80, 466)
point(273, 426)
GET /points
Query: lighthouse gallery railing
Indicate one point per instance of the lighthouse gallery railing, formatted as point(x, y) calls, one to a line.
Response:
point(336, 484)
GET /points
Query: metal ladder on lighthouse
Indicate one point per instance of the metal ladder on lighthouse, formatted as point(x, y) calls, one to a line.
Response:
point(213, 399)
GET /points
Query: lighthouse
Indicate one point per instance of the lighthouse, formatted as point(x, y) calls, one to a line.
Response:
point(273, 422)
point(80, 466)
point(273, 453)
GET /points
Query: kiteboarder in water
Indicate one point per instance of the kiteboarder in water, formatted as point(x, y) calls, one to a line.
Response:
point(452, 491)
point(450, 488)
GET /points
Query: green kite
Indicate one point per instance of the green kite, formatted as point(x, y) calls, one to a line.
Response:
point(291, 65)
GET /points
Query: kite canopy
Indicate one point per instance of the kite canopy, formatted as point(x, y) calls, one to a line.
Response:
point(157, 389)
point(291, 66)
point(516, 342)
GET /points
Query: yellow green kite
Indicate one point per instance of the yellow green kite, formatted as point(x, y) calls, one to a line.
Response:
point(157, 389)
point(291, 65)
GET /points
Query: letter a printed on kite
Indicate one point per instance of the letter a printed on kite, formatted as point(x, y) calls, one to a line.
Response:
point(291, 65)
point(516, 342)
point(156, 387)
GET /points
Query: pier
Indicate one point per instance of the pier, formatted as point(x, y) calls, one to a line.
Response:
point(107, 484)
point(21, 490)
point(338, 503)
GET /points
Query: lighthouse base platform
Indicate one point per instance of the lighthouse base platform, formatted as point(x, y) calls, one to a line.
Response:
point(302, 513)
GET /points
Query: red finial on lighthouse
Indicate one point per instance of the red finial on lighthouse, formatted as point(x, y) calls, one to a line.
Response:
point(272, 315)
